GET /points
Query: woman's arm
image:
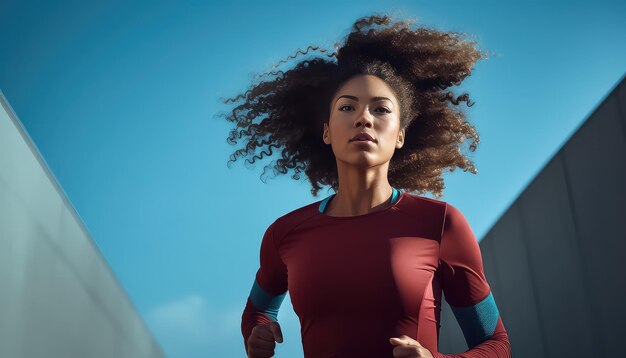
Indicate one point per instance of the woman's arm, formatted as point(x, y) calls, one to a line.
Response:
point(268, 290)
point(467, 291)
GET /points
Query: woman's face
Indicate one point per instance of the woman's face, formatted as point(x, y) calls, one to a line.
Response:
point(364, 104)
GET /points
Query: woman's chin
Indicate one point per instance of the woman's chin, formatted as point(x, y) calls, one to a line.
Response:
point(365, 160)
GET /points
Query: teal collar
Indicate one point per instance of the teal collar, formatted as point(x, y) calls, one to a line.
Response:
point(394, 197)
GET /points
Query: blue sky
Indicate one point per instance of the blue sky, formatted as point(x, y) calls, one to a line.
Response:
point(120, 97)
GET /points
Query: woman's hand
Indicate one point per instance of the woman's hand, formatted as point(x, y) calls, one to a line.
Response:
point(407, 347)
point(261, 342)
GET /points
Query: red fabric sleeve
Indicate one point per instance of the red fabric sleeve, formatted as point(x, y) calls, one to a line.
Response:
point(464, 285)
point(269, 287)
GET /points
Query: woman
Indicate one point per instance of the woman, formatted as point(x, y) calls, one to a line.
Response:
point(365, 267)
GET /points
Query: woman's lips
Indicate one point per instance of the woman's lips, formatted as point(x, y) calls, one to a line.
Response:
point(363, 136)
point(363, 141)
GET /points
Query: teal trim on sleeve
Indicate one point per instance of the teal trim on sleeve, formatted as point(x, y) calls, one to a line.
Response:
point(478, 322)
point(266, 302)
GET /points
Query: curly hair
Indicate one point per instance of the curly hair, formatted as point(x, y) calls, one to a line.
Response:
point(286, 111)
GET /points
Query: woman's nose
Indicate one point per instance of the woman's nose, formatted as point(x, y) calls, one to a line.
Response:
point(364, 118)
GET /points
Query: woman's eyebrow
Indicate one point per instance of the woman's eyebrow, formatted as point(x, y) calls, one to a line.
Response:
point(378, 98)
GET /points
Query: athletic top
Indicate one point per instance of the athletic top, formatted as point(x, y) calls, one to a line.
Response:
point(357, 281)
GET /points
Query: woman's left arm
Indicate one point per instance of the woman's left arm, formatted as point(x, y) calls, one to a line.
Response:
point(467, 291)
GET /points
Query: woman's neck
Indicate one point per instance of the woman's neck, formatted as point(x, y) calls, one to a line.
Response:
point(361, 193)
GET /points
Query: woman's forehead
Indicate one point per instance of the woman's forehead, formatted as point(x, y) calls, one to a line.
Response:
point(365, 88)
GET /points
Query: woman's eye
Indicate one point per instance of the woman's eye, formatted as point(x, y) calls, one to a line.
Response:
point(384, 110)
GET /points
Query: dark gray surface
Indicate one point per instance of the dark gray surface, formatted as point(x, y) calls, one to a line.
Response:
point(595, 163)
point(555, 263)
point(620, 93)
point(518, 295)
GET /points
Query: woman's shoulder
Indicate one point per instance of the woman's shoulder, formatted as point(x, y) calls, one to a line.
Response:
point(424, 199)
point(293, 218)
point(301, 212)
point(440, 214)
point(421, 204)
point(414, 202)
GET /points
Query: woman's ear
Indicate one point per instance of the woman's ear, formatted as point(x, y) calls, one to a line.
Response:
point(326, 135)
point(400, 140)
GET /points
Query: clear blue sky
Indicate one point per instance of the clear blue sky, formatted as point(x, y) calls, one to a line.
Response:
point(120, 98)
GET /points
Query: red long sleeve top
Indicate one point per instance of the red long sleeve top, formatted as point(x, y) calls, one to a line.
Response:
point(357, 281)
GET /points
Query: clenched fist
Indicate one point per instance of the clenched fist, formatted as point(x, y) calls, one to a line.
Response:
point(261, 342)
point(407, 347)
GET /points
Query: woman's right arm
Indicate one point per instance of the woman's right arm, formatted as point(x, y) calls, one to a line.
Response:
point(268, 290)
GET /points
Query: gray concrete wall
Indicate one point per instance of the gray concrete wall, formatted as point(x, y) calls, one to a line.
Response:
point(58, 297)
point(554, 258)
